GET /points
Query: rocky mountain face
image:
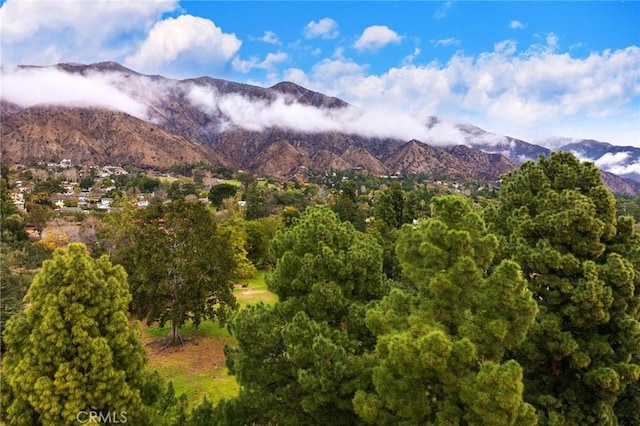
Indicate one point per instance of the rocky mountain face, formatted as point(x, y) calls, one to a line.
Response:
point(94, 136)
point(236, 125)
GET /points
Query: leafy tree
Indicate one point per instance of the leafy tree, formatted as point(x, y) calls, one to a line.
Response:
point(86, 182)
point(440, 350)
point(54, 239)
point(73, 348)
point(12, 227)
point(260, 232)
point(147, 184)
point(300, 360)
point(234, 226)
point(255, 203)
point(39, 215)
point(217, 193)
point(48, 186)
point(558, 220)
point(181, 267)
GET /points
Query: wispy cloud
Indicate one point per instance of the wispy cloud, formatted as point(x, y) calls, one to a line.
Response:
point(443, 10)
point(446, 42)
point(516, 25)
point(269, 63)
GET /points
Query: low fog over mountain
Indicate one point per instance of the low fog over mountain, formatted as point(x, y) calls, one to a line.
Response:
point(107, 113)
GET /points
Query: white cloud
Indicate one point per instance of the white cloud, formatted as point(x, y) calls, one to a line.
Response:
point(376, 37)
point(43, 32)
point(531, 94)
point(611, 159)
point(270, 37)
point(325, 28)
point(297, 76)
point(618, 163)
point(446, 42)
point(283, 112)
point(516, 25)
point(443, 10)
point(269, 63)
point(411, 57)
point(50, 86)
point(188, 38)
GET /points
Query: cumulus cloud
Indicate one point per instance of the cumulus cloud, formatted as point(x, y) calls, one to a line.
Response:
point(529, 93)
point(185, 37)
point(325, 28)
point(516, 25)
point(376, 37)
point(38, 33)
point(50, 86)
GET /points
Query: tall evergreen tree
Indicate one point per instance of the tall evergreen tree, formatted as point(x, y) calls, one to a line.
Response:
point(182, 266)
point(558, 220)
point(440, 350)
point(299, 361)
point(73, 349)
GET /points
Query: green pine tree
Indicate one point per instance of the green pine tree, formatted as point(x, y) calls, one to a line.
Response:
point(557, 219)
point(73, 350)
point(440, 350)
point(300, 361)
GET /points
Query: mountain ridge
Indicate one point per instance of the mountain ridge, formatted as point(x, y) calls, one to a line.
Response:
point(193, 120)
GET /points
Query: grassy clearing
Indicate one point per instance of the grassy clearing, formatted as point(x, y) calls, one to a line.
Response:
point(255, 290)
point(198, 367)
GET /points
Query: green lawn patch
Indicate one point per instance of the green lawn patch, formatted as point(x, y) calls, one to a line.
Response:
point(197, 368)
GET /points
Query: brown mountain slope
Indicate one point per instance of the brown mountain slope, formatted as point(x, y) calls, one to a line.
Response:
point(95, 136)
point(486, 166)
point(361, 157)
point(279, 159)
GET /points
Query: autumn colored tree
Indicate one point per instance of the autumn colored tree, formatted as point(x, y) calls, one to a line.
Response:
point(440, 348)
point(558, 220)
point(181, 266)
point(299, 361)
point(73, 349)
point(234, 226)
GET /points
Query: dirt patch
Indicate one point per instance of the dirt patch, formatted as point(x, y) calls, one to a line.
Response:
point(196, 355)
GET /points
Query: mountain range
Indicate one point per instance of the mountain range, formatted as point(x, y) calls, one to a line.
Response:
point(108, 114)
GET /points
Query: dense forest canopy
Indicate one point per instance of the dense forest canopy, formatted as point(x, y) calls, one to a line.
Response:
point(400, 301)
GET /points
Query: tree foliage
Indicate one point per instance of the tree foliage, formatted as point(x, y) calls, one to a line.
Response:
point(182, 265)
point(582, 355)
point(219, 192)
point(73, 348)
point(299, 361)
point(440, 350)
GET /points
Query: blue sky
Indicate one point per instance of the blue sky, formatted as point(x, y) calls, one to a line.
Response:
point(531, 70)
